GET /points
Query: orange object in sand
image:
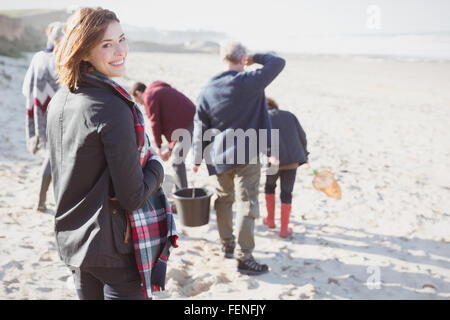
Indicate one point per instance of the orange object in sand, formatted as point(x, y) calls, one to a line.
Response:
point(324, 181)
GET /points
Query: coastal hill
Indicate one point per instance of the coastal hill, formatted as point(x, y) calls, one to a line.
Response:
point(24, 30)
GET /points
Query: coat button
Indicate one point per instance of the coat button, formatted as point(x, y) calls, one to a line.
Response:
point(114, 211)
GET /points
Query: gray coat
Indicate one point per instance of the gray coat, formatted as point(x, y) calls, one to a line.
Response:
point(292, 143)
point(94, 157)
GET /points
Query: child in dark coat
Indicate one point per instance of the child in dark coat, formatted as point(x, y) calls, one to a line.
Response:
point(292, 154)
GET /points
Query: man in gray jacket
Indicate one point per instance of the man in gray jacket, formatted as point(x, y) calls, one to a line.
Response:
point(234, 100)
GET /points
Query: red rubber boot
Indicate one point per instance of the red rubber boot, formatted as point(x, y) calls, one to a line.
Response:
point(270, 205)
point(285, 214)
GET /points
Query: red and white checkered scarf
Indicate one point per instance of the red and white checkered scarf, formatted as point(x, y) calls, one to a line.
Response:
point(152, 226)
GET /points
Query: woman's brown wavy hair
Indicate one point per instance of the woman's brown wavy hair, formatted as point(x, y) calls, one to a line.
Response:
point(271, 103)
point(84, 30)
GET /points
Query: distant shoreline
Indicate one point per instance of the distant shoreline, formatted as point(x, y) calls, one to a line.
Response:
point(291, 55)
point(374, 57)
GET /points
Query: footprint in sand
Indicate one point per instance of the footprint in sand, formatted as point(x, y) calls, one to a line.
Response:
point(186, 262)
point(193, 252)
point(46, 257)
point(180, 277)
point(333, 281)
point(51, 244)
point(428, 288)
point(191, 285)
point(252, 284)
point(199, 248)
point(295, 293)
point(26, 246)
point(11, 265)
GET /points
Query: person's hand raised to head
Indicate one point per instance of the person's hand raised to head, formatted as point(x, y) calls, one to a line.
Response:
point(249, 60)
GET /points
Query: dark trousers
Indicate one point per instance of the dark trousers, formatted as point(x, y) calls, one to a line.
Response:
point(287, 180)
point(46, 178)
point(99, 283)
point(178, 161)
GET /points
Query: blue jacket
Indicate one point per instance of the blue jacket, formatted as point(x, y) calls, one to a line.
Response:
point(234, 100)
point(292, 143)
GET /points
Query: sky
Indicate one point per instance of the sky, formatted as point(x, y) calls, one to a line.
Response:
point(291, 16)
point(266, 21)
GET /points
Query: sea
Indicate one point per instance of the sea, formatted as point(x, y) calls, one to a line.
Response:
point(407, 47)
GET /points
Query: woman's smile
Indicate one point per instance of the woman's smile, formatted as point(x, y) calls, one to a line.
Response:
point(118, 63)
point(109, 56)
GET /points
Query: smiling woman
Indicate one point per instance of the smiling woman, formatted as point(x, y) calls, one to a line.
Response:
point(102, 165)
point(94, 36)
point(108, 57)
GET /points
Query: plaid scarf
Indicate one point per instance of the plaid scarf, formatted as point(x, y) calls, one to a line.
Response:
point(153, 225)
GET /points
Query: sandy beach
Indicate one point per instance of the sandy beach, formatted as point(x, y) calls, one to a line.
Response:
point(380, 125)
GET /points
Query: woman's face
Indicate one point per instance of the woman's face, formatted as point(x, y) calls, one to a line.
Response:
point(108, 57)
